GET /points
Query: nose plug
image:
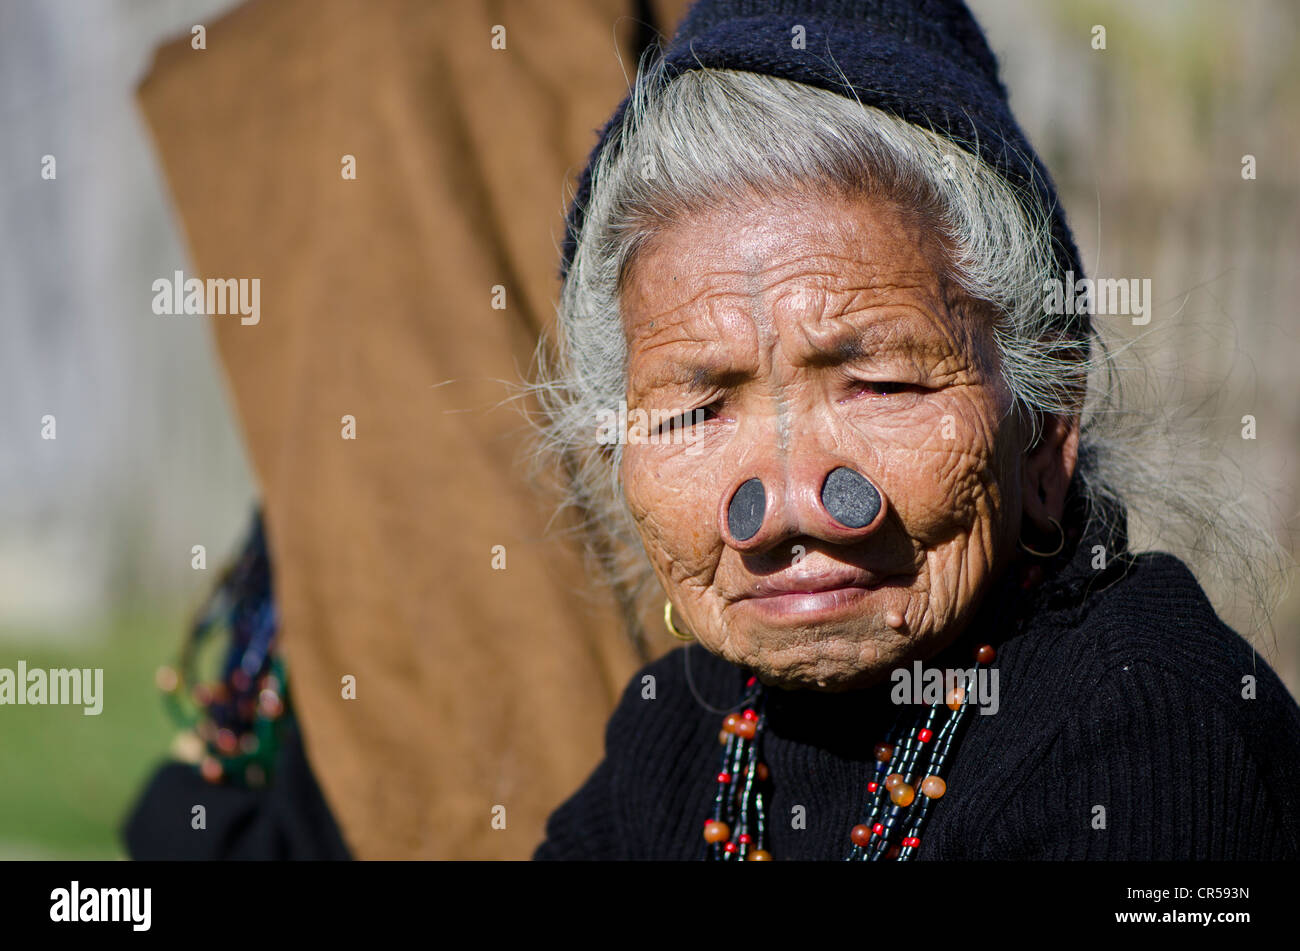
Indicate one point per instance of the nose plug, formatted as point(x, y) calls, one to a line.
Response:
point(848, 496)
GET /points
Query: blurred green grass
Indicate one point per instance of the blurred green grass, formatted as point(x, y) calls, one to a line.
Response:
point(67, 780)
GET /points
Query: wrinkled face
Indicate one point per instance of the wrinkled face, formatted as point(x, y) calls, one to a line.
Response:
point(817, 334)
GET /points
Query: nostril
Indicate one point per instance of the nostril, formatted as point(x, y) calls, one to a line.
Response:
point(850, 498)
point(745, 512)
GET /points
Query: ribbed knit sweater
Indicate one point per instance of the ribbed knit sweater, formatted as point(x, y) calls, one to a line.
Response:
point(1125, 730)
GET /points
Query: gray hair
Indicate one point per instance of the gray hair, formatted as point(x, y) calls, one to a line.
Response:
point(707, 137)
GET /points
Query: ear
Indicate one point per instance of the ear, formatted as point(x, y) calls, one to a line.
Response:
point(1048, 468)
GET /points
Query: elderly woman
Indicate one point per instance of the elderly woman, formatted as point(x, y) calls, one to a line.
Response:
point(810, 256)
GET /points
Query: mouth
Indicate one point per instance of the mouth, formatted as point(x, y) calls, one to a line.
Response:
point(811, 598)
point(807, 607)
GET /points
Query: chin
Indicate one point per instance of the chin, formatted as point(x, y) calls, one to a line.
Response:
point(828, 661)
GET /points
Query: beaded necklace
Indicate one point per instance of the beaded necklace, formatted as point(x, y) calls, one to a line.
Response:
point(232, 726)
point(910, 760)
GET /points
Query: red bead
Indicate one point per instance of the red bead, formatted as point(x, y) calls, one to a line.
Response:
point(724, 777)
point(744, 839)
point(750, 715)
point(925, 736)
point(872, 787)
point(860, 835)
point(912, 841)
point(729, 848)
point(751, 681)
point(985, 654)
point(746, 729)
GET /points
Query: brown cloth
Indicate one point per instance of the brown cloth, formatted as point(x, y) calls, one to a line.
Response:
point(476, 688)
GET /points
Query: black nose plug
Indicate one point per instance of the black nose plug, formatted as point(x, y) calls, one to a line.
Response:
point(745, 512)
point(850, 498)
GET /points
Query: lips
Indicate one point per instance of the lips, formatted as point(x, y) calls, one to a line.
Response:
point(774, 586)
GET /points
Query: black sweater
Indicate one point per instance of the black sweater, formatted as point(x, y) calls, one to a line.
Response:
point(1118, 688)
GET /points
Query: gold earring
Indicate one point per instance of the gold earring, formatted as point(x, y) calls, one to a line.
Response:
point(672, 628)
point(1047, 554)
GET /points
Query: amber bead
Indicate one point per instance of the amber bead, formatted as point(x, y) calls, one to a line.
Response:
point(745, 729)
point(955, 697)
point(892, 780)
point(761, 772)
point(902, 794)
point(715, 831)
point(985, 654)
point(860, 835)
point(723, 737)
point(933, 787)
point(759, 855)
point(210, 769)
point(893, 852)
point(729, 724)
point(884, 752)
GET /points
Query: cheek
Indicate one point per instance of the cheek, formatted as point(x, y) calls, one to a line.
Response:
point(671, 497)
point(939, 461)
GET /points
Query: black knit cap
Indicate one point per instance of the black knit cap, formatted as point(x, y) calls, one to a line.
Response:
point(925, 61)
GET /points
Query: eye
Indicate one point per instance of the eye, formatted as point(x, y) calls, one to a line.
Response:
point(883, 387)
point(689, 418)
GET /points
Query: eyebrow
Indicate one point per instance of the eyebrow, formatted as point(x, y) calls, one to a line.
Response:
point(852, 343)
